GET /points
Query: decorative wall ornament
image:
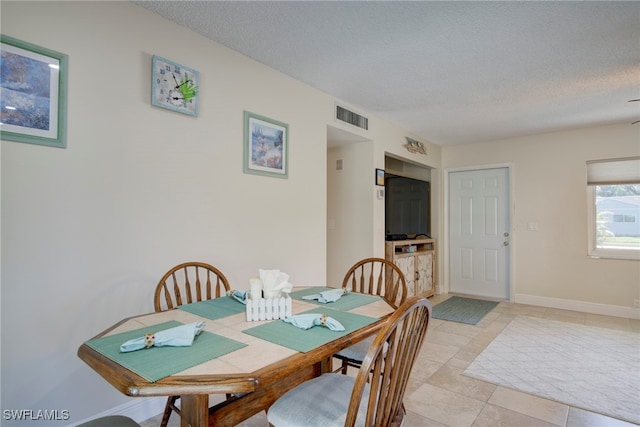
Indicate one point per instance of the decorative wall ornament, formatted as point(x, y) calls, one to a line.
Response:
point(266, 145)
point(415, 146)
point(33, 93)
point(174, 86)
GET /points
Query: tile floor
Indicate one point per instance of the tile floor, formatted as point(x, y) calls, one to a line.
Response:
point(439, 395)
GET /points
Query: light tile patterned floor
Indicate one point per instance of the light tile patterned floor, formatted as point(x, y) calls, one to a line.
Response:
point(439, 395)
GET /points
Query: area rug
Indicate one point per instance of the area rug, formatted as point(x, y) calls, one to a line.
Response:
point(463, 310)
point(591, 368)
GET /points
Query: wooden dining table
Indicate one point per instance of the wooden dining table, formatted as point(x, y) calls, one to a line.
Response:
point(255, 374)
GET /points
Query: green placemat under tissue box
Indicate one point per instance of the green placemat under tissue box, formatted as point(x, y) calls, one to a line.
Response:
point(216, 308)
point(302, 340)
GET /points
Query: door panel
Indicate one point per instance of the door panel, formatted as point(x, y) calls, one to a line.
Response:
point(407, 266)
point(478, 232)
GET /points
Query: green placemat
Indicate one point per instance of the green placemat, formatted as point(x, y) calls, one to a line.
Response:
point(346, 302)
point(287, 335)
point(216, 308)
point(158, 362)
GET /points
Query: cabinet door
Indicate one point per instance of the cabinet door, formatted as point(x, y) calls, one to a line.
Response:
point(425, 272)
point(407, 265)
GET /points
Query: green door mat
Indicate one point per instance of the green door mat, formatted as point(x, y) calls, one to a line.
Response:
point(463, 310)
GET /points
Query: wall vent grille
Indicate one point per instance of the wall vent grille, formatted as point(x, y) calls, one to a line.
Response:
point(352, 118)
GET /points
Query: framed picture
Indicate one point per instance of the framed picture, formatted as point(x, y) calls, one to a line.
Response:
point(266, 145)
point(33, 93)
point(380, 177)
point(174, 86)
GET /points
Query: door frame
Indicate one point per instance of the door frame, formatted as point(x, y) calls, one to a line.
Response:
point(512, 213)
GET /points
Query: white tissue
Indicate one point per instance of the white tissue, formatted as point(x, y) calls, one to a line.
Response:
point(274, 282)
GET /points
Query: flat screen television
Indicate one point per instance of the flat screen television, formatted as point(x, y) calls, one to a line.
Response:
point(407, 208)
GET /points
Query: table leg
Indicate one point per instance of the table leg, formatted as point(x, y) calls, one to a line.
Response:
point(326, 365)
point(194, 410)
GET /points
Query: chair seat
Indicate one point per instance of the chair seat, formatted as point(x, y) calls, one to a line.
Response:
point(111, 421)
point(357, 351)
point(320, 402)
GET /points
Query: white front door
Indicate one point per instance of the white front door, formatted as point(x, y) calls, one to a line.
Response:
point(479, 232)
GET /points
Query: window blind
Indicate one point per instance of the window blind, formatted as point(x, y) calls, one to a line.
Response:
point(613, 171)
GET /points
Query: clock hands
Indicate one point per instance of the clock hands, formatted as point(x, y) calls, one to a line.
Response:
point(184, 81)
point(176, 98)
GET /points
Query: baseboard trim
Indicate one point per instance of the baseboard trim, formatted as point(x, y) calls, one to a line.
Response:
point(584, 306)
point(139, 409)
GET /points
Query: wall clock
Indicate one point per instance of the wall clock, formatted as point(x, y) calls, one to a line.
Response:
point(174, 86)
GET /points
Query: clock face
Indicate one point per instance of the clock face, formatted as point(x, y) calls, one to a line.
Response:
point(174, 86)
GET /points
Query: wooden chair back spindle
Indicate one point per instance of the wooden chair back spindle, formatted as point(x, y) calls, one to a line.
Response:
point(187, 283)
point(176, 285)
point(388, 363)
point(377, 276)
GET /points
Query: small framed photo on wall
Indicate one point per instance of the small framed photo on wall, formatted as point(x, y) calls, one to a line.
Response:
point(266, 146)
point(380, 177)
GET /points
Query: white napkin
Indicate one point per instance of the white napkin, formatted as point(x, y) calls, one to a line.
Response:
point(180, 336)
point(327, 296)
point(309, 320)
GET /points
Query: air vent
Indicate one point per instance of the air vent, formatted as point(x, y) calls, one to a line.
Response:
point(352, 118)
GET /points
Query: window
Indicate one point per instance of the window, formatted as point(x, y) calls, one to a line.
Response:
point(614, 208)
point(624, 218)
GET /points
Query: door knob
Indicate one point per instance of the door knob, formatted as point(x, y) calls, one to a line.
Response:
point(505, 243)
point(506, 234)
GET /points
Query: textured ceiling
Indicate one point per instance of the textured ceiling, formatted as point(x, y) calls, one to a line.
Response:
point(449, 72)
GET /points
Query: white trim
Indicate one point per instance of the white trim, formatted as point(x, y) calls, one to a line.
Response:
point(138, 409)
point(583, 306)
point(444, 249)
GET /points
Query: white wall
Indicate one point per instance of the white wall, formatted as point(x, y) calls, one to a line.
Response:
point(549, 177)
point(88, 230)
point(349, 208)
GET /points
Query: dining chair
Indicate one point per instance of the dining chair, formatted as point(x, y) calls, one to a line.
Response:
point(111, 421)
point(375, 276)
point(187, 283)
point(373, 398)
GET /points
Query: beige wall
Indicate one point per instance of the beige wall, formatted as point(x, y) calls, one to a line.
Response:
point(551, 266)
point(349, 208)
point(88, 230)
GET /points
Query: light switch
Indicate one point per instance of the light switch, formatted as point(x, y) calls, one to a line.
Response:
point(532, 226)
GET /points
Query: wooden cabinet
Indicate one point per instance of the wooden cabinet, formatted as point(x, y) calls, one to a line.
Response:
point(417, 260)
